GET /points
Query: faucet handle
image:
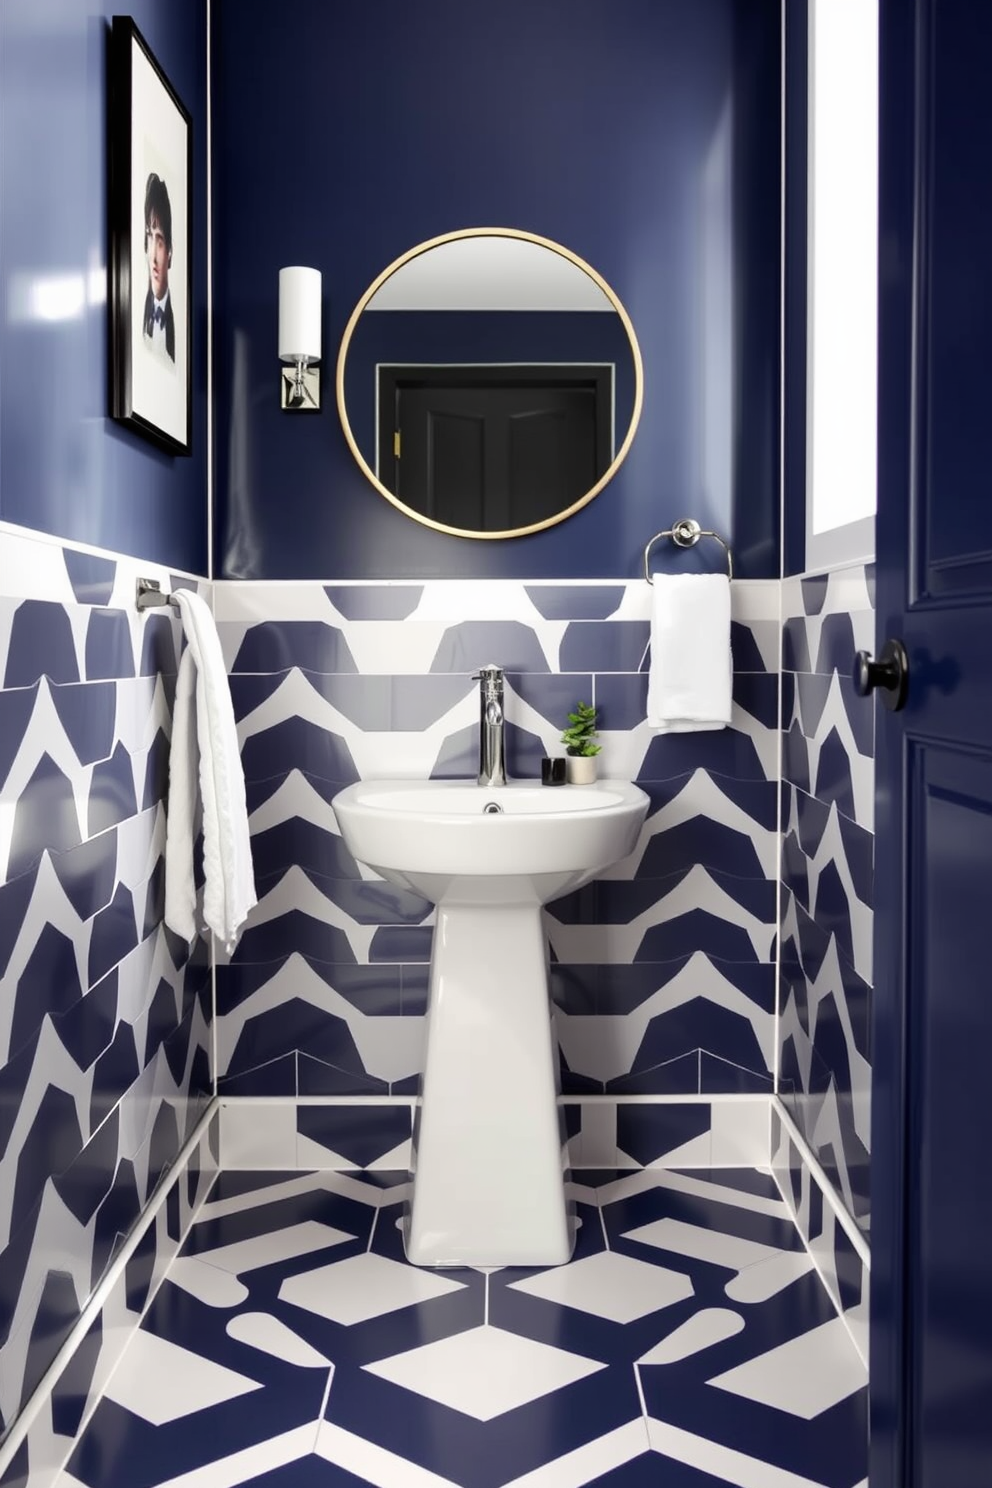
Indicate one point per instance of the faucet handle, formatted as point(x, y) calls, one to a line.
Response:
point(490, 674)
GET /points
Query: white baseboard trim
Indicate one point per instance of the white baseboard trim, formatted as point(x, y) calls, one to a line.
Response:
point(603, 1131)
point(838, 1249)
point(820, 1178)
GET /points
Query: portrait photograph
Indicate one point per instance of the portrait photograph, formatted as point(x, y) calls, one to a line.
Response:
point(150, 159)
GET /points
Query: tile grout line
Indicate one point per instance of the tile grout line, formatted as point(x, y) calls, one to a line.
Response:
point(602, 1221)
point(640, 1395)
point(323, 1407)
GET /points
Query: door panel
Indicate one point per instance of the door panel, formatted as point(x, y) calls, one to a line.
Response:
point(444, 467)
point(949, 1036)
point(932, 1035)
point(957, 217)
point(495, 458)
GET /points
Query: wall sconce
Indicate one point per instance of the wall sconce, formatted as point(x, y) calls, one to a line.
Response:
point(299, 338)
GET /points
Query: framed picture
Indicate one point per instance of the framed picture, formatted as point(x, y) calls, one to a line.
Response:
point(150, 163)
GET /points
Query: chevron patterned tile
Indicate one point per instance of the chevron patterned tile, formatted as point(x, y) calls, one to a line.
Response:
point(827, 869)
point(337, 683)
point(104, 1034)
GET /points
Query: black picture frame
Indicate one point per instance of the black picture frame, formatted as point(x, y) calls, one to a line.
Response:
point(150, 202)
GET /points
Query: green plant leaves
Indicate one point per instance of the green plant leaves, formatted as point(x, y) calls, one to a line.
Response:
point(580, 737)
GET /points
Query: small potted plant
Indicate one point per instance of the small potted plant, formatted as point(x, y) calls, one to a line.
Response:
point(580, 744)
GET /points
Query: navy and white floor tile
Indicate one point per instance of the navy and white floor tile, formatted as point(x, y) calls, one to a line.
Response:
point(689, 1342)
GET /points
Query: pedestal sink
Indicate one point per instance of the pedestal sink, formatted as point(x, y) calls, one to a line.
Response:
point(488, 1168)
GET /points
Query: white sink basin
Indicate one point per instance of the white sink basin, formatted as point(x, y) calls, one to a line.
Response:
point(489, 1164)
point(428, 835)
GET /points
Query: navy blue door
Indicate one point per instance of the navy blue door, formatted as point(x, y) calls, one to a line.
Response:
point(932, 1039)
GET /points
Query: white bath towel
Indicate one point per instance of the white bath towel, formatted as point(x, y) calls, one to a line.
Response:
point(205, 752)
point(689, 682)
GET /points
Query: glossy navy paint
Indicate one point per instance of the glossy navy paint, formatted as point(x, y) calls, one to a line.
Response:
point(645, 137)
point(796, 103)
point(65, 467)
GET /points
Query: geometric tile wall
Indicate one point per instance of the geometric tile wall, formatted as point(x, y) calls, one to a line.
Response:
point(662, 971)
point(104, 1015)
point(45, 1438)
point(827, 865)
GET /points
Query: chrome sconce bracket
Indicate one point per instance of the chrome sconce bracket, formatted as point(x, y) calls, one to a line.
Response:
point(299, 388)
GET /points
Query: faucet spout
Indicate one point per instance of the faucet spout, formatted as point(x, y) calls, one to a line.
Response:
point(492, 759)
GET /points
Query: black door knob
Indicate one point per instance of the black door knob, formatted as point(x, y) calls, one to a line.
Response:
point(890, 673)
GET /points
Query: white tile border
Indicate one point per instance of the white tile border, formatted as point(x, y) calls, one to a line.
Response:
point(31, 567)
point(259, 1133)
point(822, 1247)
point(446, 601)
point(819, 1177)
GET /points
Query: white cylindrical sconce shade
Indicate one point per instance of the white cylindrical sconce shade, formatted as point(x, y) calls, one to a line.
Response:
point(299, 314)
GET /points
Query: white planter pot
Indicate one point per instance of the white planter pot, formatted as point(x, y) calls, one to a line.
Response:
point(580, 769)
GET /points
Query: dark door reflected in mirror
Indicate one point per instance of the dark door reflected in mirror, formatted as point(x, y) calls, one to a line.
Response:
point(489, 383)
point(494, 448)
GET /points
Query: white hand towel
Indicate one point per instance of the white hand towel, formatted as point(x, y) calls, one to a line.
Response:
point(205, 746)
point(690, 679)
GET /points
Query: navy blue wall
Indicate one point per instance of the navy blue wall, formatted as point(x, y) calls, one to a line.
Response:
point(644, 136)
point(65, 467)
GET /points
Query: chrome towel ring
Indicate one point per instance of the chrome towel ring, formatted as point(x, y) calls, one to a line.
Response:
point(685, 534)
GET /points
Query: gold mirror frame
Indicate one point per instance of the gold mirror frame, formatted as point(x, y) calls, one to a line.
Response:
point(490, 232)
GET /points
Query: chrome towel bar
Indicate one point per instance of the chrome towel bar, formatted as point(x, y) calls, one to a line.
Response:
point(149, 594)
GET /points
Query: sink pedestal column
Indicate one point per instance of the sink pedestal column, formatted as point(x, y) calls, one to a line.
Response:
point(488, 1186)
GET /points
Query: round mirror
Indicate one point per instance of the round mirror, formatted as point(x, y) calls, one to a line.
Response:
point(489, 383)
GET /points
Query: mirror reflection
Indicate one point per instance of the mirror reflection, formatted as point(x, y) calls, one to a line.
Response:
point(489, 383)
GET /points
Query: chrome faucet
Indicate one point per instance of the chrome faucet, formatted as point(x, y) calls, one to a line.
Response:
point(492, 762)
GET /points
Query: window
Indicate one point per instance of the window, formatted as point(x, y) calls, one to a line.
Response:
point(842, 295)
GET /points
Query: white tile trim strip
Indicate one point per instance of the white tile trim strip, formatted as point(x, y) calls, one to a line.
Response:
point(21, 1427)
point(261, 1133)
point(823, 1183)
point(19, 582)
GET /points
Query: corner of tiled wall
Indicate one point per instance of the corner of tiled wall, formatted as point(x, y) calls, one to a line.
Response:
point(104, 1015)
point(827, 868)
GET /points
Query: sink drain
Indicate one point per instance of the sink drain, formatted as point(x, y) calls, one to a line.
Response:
point(492, 808)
